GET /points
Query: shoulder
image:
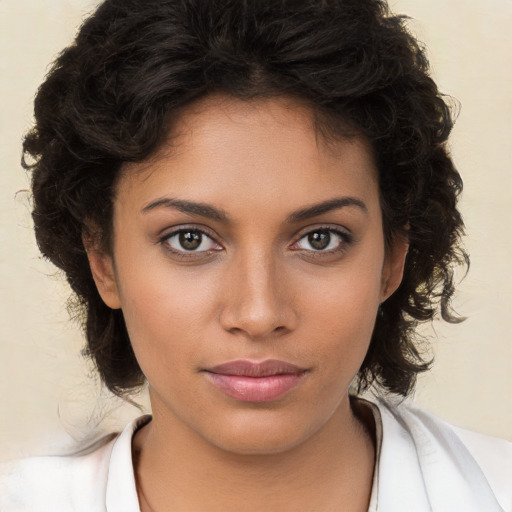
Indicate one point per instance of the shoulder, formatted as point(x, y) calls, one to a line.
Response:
point(494, 456)
point(57, 483)
point(455, 469)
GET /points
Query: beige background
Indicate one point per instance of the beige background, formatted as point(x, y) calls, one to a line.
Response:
point(50, 398)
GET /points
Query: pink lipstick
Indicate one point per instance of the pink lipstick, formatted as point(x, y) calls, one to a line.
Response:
point(255, 382)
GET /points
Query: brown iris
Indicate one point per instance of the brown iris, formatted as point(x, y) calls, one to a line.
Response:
point(319, 239)
point(190, 240)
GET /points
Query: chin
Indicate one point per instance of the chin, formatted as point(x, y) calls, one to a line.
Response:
point(259, 435)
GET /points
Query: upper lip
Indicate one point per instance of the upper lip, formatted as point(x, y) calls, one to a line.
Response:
point(256, 369)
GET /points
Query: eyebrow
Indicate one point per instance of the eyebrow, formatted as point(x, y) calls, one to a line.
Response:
point(211, 212)
point(202, 209)
point(325, 207)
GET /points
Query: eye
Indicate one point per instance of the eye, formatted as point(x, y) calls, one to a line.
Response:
point(189, 240)
point(324, 240)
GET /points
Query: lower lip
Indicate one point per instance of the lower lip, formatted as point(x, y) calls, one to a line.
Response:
point(255, 389)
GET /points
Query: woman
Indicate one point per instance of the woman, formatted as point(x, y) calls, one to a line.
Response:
point(254, 205)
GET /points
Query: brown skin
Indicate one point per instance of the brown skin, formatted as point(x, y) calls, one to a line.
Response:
point(256, 288)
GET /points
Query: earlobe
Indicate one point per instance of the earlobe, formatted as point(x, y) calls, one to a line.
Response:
point(103, 273)
point(393, 270)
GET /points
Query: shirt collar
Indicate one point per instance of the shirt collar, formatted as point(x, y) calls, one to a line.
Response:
point(121, 493)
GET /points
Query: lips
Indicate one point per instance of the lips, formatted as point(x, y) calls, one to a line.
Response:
point(255, 382)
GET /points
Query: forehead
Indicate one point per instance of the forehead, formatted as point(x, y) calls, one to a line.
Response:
point(236, 152)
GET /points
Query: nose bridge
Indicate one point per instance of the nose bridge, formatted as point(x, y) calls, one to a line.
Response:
point(258, 299)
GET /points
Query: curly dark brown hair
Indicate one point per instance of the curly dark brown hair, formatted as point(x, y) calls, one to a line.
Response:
point(135, 64)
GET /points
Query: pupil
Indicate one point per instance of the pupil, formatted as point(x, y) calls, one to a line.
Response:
point(319, 239)
point(190, 240)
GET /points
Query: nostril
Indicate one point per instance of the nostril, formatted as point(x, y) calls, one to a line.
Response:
point(259, 332)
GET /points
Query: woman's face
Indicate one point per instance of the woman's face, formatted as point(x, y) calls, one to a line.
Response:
point(249, 241)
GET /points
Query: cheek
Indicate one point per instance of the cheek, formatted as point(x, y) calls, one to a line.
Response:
point(343, 326)
point(153, 313)
point(166, 312)
point(349, 296)
point(341, 316)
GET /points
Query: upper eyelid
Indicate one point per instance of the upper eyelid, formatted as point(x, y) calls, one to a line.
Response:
point(334, 229)
point(184, 254)
point(165, 233)
point(346, 235)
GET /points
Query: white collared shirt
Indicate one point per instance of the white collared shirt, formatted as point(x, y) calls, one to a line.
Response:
point(423, 464)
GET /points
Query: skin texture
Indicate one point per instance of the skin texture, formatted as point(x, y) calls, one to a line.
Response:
point(255, 289)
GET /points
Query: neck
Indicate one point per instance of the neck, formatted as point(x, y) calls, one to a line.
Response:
point(332, 470)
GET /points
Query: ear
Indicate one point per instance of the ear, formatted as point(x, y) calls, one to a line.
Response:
point(103, 273)
point(393, 269)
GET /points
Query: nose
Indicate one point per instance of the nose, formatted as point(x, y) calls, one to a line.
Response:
point(257, 298)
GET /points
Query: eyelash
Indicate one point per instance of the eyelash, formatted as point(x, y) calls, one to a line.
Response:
point(183, 254)
point(346, 239)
